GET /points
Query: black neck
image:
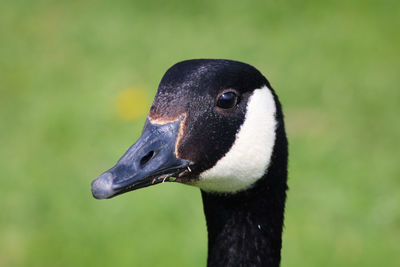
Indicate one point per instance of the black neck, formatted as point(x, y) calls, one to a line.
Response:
point(245, 229)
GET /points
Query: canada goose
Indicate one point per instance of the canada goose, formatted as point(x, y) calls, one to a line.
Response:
point(217, 125)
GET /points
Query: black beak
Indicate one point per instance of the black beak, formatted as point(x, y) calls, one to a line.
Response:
point(151, 160)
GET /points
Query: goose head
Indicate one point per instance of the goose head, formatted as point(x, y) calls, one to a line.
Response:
point(212, 125)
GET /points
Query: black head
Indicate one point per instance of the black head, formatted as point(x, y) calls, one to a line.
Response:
point(212, 124)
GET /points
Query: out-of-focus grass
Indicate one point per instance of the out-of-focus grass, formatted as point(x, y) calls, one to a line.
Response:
point(63, 64)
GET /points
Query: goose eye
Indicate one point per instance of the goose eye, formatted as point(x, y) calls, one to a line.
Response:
point(227, 100)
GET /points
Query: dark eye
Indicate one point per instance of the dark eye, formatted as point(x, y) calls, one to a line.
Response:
point(227, 100)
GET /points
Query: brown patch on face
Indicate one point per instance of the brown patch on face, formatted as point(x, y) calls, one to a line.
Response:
point(163, 111)
point(162, 121)
point(181, 131)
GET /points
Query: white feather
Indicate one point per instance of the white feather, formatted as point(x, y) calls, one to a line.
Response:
point(250, 154)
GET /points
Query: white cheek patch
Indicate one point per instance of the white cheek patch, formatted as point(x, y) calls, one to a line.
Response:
point(250, 154)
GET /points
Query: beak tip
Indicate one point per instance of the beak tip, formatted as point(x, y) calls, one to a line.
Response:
point(102, 186)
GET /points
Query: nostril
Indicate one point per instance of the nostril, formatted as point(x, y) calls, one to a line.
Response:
point(146, 158)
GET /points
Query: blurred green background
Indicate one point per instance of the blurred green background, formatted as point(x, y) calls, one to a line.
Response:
point(77, 79)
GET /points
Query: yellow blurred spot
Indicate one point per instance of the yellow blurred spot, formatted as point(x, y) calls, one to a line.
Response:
point(132, 103)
